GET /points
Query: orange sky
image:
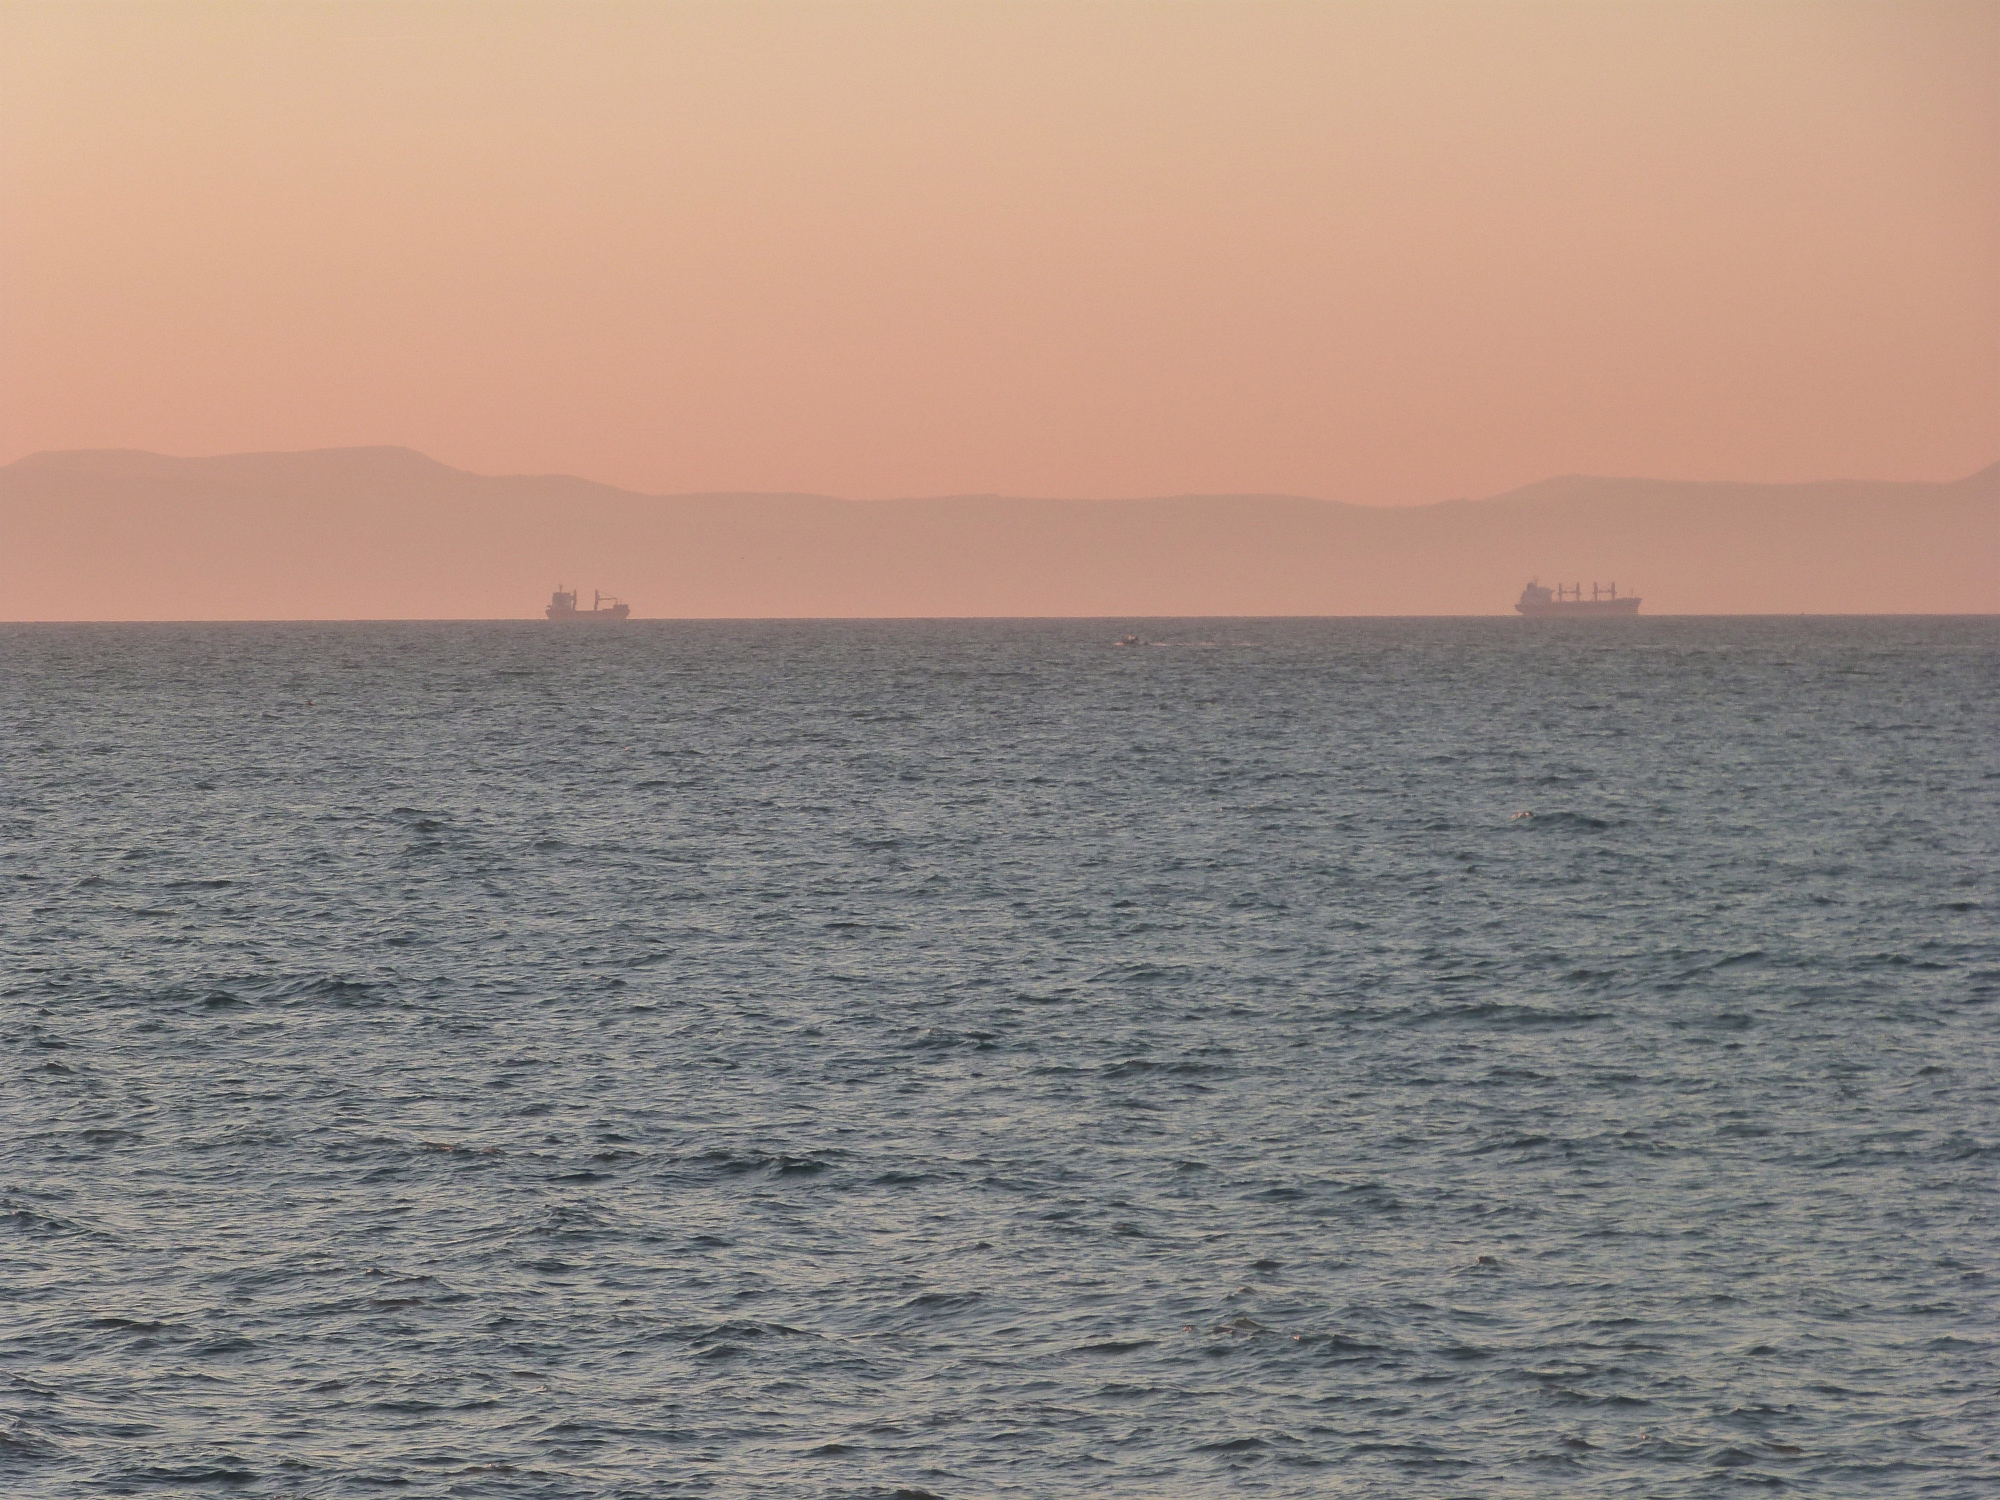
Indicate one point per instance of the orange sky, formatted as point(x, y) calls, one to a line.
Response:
point(1388, 253)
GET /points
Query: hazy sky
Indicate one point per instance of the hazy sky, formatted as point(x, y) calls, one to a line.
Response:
point(1393, 252)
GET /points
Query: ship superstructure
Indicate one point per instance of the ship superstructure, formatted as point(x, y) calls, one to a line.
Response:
point(1567, 599)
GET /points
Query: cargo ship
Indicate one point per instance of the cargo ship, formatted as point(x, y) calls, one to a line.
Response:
point(562, 608)
point(1567, 599)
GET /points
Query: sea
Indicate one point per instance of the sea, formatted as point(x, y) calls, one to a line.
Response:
point(1404, 1058)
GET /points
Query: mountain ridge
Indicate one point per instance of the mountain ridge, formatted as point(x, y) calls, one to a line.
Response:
point(146, 458)
point(388, 532)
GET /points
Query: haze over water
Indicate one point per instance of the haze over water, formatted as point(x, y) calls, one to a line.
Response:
point(972, 1059)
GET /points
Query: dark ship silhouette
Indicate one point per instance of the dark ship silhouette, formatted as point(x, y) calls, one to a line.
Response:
point(1567, 599)
point(562, 608)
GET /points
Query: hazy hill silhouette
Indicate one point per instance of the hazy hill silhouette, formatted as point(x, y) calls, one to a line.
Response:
point(386, 533)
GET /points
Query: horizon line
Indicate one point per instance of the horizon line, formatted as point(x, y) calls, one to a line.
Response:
point(610, 628)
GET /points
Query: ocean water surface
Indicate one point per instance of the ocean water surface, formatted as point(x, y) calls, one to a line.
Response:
point(1330, 1058)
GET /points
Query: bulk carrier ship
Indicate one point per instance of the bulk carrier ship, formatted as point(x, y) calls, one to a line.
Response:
point(562, 608)
point(1567, 599)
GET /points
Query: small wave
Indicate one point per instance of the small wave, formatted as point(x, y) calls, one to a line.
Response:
point(18, 1442)
point(26, 1219)
point(1340, 1343)
point(1534, 821)
point(1505, 1015)
point(740, 1330)
point(1139, 1067)
point(109, 1135)
point(1241, 1326)
point(1959, 1146)
point(333, 988)
point(195, 1474)
point(1514, 1143)
point(774, 1163)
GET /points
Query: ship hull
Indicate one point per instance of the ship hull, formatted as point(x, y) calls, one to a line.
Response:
point(588, 616)
point(1586, 608)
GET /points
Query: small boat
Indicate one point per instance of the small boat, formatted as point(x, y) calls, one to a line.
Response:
point(562, 608)
point(1131, 640)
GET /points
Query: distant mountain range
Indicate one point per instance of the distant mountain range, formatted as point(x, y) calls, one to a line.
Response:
point(386, 533)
